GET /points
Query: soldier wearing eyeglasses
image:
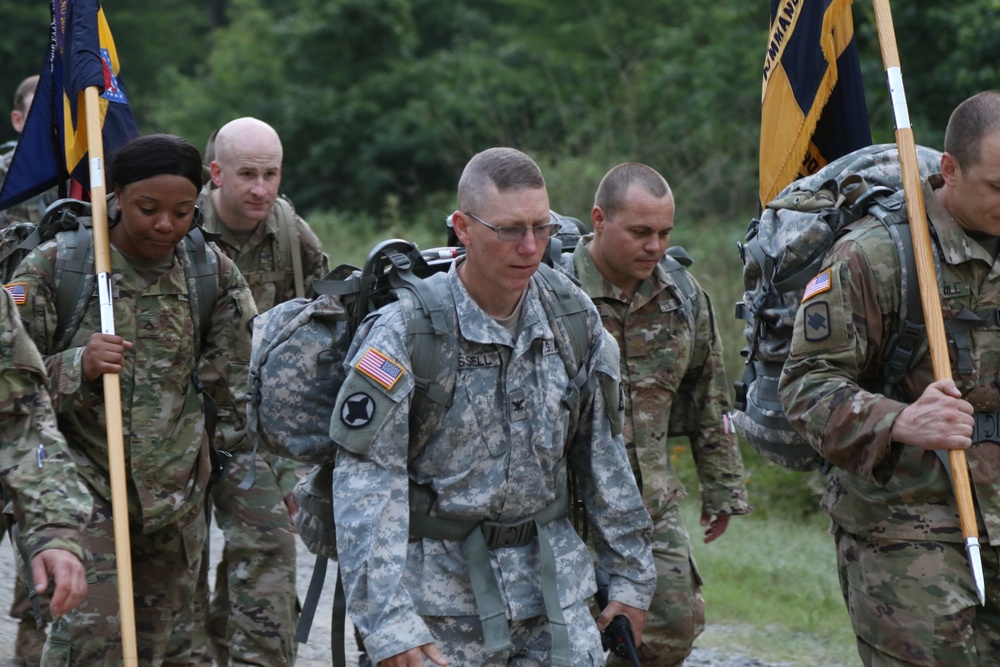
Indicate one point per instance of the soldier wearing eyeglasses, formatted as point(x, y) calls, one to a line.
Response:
point(510, 582)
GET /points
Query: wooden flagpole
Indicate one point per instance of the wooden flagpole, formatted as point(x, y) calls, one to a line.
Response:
point(927, 277)
point(112, 382)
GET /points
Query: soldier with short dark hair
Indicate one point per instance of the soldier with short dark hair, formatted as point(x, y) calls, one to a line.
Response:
point(672, 371)
point(452, 534)
point(903, 567)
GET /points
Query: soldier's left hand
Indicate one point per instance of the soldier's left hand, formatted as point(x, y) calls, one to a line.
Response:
point(636, 618)
point(292, 506)
point(717, 525)
point(70, 578)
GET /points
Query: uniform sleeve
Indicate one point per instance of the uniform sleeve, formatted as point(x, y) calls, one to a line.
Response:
point(713, 444)
point(836, 345)
point(68, 389)
point(39, 476)
point(226, 354)
point(621, 525)
point(315, 263)
point(370, 423)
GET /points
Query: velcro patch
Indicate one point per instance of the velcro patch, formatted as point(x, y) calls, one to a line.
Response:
point(357, 410)
point(818, 285)
point(816, 321)
point(19, 291)
point(380, 368)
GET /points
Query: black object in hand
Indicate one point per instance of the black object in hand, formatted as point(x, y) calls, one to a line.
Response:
point(617, 637)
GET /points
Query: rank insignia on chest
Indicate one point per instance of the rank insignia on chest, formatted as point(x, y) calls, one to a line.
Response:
point(19, 291)
point(816, 321)
point(818, 285)
point(380, 368)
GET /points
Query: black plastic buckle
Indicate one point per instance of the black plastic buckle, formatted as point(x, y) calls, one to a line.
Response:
point(500, 535)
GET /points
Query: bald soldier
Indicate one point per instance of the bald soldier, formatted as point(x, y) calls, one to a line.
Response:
point(252, 615)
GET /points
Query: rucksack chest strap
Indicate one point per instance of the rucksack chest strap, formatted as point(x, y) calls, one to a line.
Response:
point(478, 538)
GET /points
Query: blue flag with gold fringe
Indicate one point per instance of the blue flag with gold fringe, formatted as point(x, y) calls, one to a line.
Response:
point(53, 145)
point(813, 102)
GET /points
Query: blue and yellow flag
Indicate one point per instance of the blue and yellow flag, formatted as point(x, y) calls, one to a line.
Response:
point(813, 102)
point(53, 146)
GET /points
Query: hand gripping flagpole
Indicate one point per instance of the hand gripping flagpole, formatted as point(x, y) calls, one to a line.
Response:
point(927, 277)
point(112, 382)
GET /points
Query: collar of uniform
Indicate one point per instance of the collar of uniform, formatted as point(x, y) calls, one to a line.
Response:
point(594, 283)
point(477, 326)
point(956, 246)
point(213, 223)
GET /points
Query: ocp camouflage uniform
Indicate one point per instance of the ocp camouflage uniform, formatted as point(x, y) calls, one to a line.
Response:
point(166, 448)
point(48, 500)
point(252, 616)
point(671, 367)
point(27, 211)
point(499, 453)
point(903, 569)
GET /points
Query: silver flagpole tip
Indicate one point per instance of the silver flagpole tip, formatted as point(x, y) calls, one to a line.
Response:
point(976, 564)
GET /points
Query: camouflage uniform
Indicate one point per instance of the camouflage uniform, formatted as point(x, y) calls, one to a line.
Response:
point(499, 453)
point(252, 615)
point(49, 515)
point(30, 210)
point(166, 448)
point(903, 569)
point(670, 359)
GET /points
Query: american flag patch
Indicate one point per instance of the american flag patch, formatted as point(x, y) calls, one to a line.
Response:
point(380, 368)
point(19, 291)
point(818, 285)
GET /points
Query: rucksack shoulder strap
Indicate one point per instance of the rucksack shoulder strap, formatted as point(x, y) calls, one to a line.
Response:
point(675, 263)
point(74, 280)
point(201, 269)
point(289, 243)
point(568, 308)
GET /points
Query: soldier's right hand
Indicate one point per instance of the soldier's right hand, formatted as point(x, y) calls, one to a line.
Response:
point(67, 573)
point(940, 419)
point(104, 353)
point(415, 657)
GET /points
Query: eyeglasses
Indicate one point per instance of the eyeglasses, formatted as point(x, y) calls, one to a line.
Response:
point(515, 234)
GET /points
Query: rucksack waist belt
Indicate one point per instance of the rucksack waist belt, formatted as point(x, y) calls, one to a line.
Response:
point(477, 538)
point(987, 428)
point(496, 534)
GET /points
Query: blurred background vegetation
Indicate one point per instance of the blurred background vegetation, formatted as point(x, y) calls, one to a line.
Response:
point(381, 102)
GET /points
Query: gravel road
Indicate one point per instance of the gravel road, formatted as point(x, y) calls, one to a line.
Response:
point(316, 653)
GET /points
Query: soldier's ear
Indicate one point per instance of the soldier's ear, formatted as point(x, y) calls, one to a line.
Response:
point(598, 218)
point(460, 222)
point(949, 169)
point(215, 169)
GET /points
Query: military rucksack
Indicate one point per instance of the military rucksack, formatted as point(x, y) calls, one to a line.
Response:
point(783, 250)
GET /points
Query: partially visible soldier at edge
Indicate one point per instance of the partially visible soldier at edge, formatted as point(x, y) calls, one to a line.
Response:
point(497, 460)
point(252, 615)
point(38, 483)
point(903, 567)
point(672, 376)
point(32, 209)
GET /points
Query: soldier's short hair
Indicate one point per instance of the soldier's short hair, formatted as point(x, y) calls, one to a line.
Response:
point(970, 122)
point(505, 168)
point(24, 89)
point(155, 155)
point(612, 191)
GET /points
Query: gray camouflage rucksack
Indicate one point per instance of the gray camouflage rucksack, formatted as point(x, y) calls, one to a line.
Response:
point(783, 250)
